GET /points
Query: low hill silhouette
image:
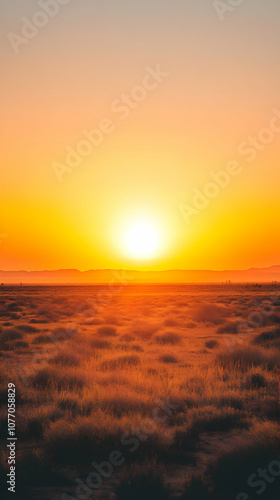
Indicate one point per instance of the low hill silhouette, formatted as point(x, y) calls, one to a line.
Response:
point(258, 275)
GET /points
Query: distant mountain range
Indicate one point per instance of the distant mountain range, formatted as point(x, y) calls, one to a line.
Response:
point(265, 275)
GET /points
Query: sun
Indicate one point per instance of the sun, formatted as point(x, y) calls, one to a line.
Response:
point(141, 238)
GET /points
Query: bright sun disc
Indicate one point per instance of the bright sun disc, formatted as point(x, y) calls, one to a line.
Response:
point(141, 239)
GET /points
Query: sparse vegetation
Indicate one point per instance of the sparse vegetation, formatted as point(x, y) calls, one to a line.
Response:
point(229, 327)
point(210, 344)
point(107, 331)
point(244, 357)
point(10, 334)
point(168, 338)
point(104, 387)
point(168, 358)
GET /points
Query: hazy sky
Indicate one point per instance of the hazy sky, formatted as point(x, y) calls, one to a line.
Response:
point(222, 86)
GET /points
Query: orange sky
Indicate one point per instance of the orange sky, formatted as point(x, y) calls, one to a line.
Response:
point(222, 87)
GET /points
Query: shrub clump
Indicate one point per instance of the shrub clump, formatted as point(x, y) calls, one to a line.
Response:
point(228, 327)
point(20, 344)
point(42, 339)
point(107, 331)
point(255, 381)
point(266, 337)
point(28, 329)
point(66, 359)
point(243, 357)
point(210, 313)
point(168, 338)
point(210, 344)
point(121, 362)
point(10, 334)
point(168, 358)
point(49, 377)
point(99, 344)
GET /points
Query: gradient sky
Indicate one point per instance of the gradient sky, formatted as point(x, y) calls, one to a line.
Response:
point(223, 84)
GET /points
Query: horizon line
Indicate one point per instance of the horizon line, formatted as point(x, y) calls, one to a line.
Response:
point(137, 270)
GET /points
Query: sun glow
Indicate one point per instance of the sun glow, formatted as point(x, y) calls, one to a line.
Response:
point(141, 238)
